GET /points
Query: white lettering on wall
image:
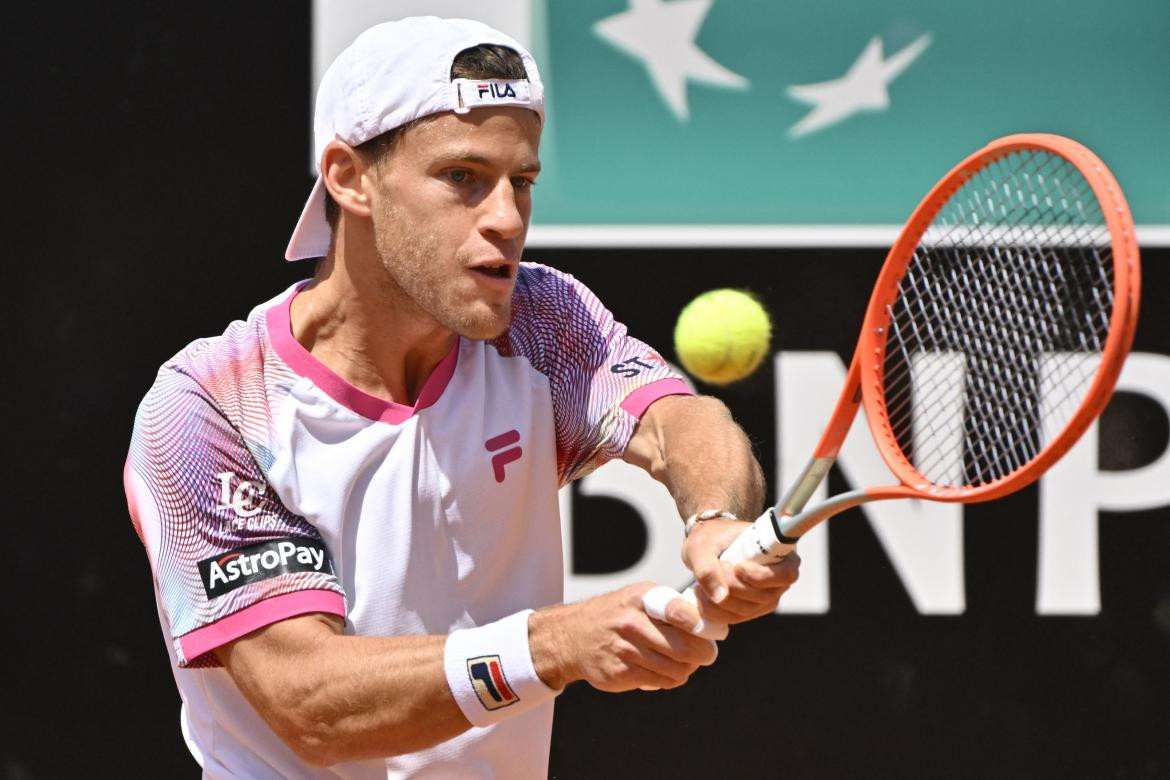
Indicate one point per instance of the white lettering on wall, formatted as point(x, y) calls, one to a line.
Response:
point(923, 540)
point(1075, 490)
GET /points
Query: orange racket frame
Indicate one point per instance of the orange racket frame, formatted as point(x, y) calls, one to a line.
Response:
point(864, 382)
point(774, 533)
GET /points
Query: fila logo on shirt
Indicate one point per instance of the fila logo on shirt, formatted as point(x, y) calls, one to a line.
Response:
point(224, 573)
point(505, 452)
point(487, 677)
point(497, 91)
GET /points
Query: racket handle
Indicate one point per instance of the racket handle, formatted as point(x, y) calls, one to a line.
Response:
point(760, 542)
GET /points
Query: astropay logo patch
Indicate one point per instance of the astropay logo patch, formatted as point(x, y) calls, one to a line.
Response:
point(224, 573)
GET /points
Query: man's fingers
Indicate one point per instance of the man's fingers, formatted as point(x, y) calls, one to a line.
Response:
point(652, 681)
point(681, 612)
point(748, 599)
point(673, 608)
point(741, 605)
point(694, 635)
point(754, 590)
point(767, 576)
point(709, 575)
point(650, 660)
point(680, 642)
point(701, 552)
point(657, 599)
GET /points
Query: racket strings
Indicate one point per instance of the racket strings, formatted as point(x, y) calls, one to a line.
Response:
point(999, 322)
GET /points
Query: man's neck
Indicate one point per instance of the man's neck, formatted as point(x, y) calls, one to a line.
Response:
point(364, 329)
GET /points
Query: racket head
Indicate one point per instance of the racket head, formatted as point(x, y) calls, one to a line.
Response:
point(1016, 280)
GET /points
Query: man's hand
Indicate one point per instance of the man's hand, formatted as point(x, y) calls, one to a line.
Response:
point(610, 642)
point(693, 446)
point(733, 593)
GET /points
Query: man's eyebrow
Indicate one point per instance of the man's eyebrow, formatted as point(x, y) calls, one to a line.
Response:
point(476, 159)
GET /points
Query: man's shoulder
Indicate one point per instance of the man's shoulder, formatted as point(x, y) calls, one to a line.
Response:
point(226, 370)
point(548, 298)
point(537, 279)
point(556, 321)
point(211, 360)
point(534, 312)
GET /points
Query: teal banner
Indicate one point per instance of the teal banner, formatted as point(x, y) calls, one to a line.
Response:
point(757, 112)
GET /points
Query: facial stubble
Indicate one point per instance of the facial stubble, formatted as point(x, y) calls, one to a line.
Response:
point(417, 278)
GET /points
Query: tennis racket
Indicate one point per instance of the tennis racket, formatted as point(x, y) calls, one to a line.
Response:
point(993, 338)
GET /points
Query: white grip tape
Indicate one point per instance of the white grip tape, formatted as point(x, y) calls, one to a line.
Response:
point(490, 673)
point(758, 542)
point(654, 601)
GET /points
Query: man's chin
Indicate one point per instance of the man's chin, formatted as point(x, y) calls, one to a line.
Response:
point(485, 325)
point(483, 334)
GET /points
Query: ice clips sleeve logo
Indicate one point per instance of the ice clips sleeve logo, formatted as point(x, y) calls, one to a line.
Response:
point(224, 573)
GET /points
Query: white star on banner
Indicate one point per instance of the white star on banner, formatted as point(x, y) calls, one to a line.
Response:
point(864, 87)
point(662, 35)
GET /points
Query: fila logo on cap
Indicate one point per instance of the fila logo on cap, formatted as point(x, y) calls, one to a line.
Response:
point(487, 677)
point(496, 89)
point(468, 94)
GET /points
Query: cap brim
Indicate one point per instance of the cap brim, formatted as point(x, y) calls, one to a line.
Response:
point(312, 235)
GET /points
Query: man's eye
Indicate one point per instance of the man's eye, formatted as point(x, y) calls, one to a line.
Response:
point(459, 176)
point(522, 184)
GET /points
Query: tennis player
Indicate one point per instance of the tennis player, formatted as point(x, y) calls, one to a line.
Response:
point(349, 499)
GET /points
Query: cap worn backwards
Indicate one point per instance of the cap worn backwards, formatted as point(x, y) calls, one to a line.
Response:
point(392, 74)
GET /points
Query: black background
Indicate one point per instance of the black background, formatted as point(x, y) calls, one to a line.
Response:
point(156, 157)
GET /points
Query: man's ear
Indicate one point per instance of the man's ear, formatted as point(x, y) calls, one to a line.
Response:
point(343, 170)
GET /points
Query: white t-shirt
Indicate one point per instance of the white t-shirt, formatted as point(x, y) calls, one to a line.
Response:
point(264, 486)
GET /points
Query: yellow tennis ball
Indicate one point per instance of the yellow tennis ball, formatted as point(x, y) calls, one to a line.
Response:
point(722, 336)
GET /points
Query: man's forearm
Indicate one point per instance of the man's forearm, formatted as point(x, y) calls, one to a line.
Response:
point(694, 447)
point(333, 697)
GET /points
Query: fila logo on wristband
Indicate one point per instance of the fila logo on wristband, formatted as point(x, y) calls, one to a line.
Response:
point(487, 677)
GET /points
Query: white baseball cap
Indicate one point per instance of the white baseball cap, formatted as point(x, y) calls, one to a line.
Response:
point(394, 73)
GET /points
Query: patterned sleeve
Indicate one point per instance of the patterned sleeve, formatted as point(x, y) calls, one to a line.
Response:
point(227, 556)
point(602, 379)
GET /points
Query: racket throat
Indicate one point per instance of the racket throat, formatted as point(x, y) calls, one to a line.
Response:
point(806, 484)
point(789, 529)
point(782, 537)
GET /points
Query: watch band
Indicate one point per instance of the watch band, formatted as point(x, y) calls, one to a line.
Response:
point(708, 514)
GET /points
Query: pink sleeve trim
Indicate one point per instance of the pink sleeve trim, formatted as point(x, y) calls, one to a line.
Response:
point(260, 614)
point(639, 401)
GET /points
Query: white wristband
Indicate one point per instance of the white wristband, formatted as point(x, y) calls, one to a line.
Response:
point(490, 672)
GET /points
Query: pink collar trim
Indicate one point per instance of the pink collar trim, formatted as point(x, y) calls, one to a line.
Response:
point(300, 360)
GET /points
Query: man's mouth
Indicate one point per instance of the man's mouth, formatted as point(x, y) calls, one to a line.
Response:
point(496, 271)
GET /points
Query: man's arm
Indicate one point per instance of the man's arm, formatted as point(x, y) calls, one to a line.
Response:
point(332, 697)
point(692, 445)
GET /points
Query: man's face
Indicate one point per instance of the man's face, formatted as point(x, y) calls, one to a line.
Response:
point(450, 206)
